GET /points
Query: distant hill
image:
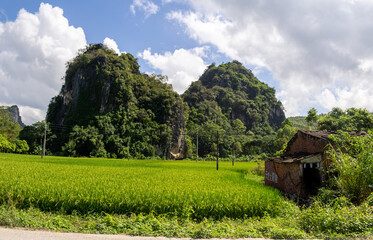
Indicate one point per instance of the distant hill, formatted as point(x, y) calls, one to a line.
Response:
point(230, 91)
point(14, 114)
point(300, 122)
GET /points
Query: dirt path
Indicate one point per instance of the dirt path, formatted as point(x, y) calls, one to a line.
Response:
point(21, 234)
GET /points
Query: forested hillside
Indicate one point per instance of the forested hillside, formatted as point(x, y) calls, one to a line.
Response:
point(107, 108)
point(230, 100)
point(230, 91)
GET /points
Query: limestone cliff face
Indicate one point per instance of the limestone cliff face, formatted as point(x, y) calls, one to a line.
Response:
point(177, 148)
point(99, 84)
point(276, 115)
point(15, 115)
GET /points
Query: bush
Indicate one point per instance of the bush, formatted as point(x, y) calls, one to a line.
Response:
point(337, 217)
point(351, 165)
point(12, 145)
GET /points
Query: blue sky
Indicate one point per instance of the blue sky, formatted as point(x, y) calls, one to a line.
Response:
point(315, 53)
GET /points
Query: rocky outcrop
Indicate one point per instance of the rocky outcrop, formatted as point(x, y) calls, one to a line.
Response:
point(276, 115)
point(177, 148)
point(14, 115)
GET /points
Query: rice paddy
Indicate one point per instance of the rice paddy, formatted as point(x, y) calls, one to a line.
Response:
point(117, 186)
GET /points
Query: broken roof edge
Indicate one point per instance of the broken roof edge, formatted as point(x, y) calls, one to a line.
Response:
point(290, 159)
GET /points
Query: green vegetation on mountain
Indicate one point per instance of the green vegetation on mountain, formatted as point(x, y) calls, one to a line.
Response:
point(106, 107)
point(230, 100)
point(9, 132)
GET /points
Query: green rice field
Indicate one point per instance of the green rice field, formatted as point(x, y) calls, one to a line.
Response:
point(183, 188)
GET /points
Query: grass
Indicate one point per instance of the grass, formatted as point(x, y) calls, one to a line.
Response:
point(163, 198)
point(182, 188)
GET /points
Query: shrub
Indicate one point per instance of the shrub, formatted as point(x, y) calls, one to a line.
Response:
point(352, 165)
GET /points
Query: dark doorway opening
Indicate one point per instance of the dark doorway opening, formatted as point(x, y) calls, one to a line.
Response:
point(311, 179)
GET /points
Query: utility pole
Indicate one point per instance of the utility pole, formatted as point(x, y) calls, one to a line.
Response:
point(129, 145)
point(233, 155)
point(217, 150)
point(197, 147)
point(45, 139)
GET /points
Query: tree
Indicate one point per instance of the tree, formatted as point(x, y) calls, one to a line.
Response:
point(21, 146)
point(311, 116)
point(284, 134)
point(5, 144)
point(11, 145)
point(353, 119)
point(34, 136)
point(237, 148)
point(85, 142)
point(238, 126)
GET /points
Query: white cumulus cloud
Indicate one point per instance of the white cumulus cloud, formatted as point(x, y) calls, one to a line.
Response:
point(182, 67)
point(110, 43)
point(320, 52)
point(148, 7)
point(33, 52)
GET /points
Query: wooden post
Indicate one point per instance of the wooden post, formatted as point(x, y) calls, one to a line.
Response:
point(45, 140)
point(217, 150)
point(233, 156)
point(197, 147)
point(129, 145)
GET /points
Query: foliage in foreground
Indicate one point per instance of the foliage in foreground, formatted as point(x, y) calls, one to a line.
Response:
point(351, 167)
point(337, 220)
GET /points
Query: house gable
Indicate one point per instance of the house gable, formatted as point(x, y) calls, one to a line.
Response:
point(307, 142)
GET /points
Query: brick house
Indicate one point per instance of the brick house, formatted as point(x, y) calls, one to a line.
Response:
point(299, 170)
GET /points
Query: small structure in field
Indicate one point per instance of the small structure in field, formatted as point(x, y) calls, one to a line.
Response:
point(299, 170)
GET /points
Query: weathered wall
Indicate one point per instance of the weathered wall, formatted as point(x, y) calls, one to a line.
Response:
point(304, 143)
point(284, 176)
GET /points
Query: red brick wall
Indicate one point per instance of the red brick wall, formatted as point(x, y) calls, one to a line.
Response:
point(306, 144)
point(283, 176)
